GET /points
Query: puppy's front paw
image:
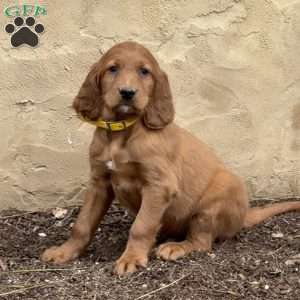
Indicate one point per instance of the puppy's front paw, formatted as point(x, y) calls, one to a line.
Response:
point(171, 251)
point(59, 255)
point(128, 263)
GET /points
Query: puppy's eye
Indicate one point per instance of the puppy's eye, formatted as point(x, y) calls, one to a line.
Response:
point(144, 71)
point(113, 69)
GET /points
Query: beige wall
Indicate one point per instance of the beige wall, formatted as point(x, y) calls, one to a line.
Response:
point(234, 67)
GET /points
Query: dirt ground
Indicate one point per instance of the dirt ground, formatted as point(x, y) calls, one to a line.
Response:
point(260, 263)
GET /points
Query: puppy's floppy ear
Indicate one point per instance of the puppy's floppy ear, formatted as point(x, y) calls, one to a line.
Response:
point(88, 102)
point(160, 110)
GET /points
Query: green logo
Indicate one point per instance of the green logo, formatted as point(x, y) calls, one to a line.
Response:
point(24, 10)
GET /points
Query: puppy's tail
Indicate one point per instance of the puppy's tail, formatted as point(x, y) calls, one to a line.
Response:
point(256, 215)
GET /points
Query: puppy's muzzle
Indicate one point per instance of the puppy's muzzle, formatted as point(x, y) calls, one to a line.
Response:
point(127, 94)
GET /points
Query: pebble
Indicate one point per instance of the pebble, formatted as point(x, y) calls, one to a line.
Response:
point(277, 235)
point(59, 213)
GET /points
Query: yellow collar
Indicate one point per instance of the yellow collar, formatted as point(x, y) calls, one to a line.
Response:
point(111, 125)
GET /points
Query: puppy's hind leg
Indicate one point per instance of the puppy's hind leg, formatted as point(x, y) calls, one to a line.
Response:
point(221, 212)
point(199, 238)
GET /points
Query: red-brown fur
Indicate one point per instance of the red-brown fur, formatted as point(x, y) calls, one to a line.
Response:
point(169, 179)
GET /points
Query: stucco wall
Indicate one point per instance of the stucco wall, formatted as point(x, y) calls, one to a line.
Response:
point(234, 67)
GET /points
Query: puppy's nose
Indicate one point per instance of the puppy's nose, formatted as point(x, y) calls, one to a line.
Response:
point(127, 93)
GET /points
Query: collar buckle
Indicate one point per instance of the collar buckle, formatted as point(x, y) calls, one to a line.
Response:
point(108, 125)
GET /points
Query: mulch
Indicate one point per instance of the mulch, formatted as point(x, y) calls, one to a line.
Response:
point(260, 263)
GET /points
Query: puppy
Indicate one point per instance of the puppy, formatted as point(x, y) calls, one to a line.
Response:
point(171, 181)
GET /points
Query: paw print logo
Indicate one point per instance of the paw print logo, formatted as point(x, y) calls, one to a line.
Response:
point(24, 33)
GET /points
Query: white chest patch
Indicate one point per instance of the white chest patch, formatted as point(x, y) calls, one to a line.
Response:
point(109, 165)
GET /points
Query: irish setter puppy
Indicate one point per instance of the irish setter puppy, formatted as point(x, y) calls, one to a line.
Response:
point(171, 181)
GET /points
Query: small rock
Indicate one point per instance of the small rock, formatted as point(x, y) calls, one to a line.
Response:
point(266, 287)
point(42, 234)
point(277, 235)
point(59, 213)
point(211, 255)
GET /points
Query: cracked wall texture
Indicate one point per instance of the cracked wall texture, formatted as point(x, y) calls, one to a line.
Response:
point(234, 70)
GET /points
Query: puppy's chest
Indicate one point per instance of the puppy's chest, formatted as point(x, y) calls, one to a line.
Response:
point(126, 178)
point(127, 184)
point(119, 162)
